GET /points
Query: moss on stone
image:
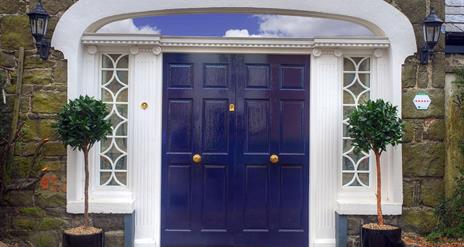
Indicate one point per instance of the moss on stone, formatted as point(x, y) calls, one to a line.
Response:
point(421, 220)
point(48, 102)
point(33, 61)
point(44, 239)
point(60, 72)
point(19, 198)
point(38, 129)
point(432, 191)
point(409, 75)
point(423, 159)
point(436, 130)
point(38, 77)
point(48, 199)
point(55, 149)
point(21, 223)
point(32, 211)
point(7, 60)
point(15, 32)
point(49, 223)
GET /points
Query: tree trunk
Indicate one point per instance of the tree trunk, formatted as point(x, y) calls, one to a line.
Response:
point(86, 188)
point(379, 189)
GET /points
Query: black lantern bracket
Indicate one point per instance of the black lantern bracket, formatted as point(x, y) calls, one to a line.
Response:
point(431, 28)
point(38, 20)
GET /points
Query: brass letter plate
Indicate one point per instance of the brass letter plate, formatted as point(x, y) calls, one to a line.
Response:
point(231, 107)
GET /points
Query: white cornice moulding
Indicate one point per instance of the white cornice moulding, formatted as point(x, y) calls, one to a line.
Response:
point(226, 42)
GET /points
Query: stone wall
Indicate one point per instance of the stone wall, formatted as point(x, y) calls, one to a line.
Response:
point(39, 217)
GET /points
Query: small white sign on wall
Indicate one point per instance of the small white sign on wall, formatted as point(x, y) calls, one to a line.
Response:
point(422, 101)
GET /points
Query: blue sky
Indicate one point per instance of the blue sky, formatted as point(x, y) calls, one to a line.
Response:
point(237, 25)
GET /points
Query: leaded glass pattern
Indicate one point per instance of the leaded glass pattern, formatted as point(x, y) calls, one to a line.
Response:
point(114, 93)
point(356, 168)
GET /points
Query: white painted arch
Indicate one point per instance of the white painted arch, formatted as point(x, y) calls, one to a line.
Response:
point(385, 21)
point(89, 15)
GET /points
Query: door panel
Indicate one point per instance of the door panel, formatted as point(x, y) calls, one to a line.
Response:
point(235, 196)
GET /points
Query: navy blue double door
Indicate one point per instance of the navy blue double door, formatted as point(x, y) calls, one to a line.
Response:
point(236, 113)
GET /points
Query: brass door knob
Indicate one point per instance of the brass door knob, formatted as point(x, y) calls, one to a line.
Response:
point(274, 159)
point(196, 159)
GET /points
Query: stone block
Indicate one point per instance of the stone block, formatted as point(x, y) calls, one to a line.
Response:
point(435, 130)
point(422, 76)
point(432, 191)
point(423, 159)
point(23, 223)
point(420, 220)
point(45, 238)
point(53, 166)
point(60, 72)
point(415, 10)
point(47, 199)
point(38, 129)
point(50, 223)
point(19, 198)
point(438, 70)
point(436, 109)
point(409, 74)
point(33, 61)
point(411, 194)
point(54, 149)
point(48, 102)
point(413, 130)
point(32, 212)
point(109, 223)
point(114, 238)
point(38, 77)
point(7, 60)
point(12, 6)
point(54, 6)
point(15, 33)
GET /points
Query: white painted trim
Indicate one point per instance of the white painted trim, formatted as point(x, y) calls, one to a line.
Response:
point(101, 206)
point(385, 21)
point(367, 207)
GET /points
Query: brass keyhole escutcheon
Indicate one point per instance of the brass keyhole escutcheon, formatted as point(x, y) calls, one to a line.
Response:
point(274, 159)
point(196, 159)
point(144, 105)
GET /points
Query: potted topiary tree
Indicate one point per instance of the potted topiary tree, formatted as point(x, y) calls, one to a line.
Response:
point(373, 126)
point(81, 123)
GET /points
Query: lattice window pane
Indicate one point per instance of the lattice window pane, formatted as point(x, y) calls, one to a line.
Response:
point(114, 92)
point(356, 167)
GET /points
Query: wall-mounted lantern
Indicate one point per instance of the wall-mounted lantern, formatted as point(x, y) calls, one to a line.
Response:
point(38, 19)
point(431, 31)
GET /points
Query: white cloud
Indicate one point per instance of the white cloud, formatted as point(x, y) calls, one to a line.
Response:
point(296, 26)
point(239, 33)
point(127, 26)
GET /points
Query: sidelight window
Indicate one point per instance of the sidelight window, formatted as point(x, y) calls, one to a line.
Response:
point(356, 167)
point(114, 93)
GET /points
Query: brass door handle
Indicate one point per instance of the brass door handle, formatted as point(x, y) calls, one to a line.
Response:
point(274, 159)
point(196, 159)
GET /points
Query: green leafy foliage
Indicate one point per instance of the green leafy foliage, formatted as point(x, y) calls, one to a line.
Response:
point(374, 125)
point(450, 213)
point(81, 123)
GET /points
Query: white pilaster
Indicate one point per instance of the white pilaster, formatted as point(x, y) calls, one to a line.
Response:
point(146, 142)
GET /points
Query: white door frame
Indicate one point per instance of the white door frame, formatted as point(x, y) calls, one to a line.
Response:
point(394, 41)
